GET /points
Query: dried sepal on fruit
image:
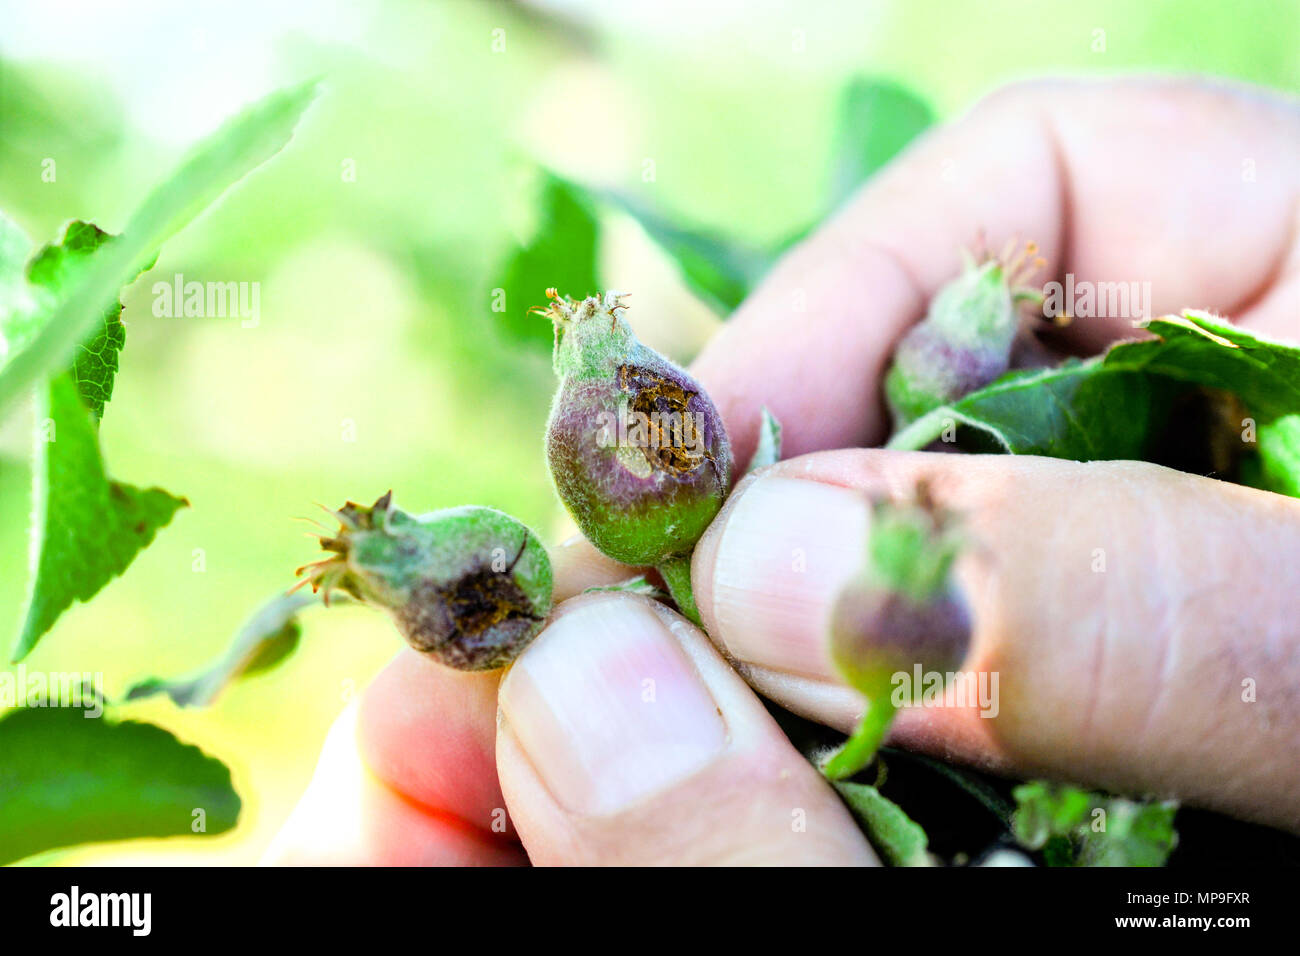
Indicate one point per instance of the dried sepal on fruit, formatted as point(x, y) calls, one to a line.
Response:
point(469, 586)
point(636, 448)
point(901, 611)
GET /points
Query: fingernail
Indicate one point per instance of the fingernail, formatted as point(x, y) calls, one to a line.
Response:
point(786, 548)
point(608, 707)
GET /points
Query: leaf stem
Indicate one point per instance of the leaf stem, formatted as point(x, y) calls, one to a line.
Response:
point(676, 572)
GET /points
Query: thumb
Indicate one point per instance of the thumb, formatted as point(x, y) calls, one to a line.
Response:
point(623, 738)
point(1140, 626)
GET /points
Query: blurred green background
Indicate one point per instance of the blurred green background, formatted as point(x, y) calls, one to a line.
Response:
point(378, 362)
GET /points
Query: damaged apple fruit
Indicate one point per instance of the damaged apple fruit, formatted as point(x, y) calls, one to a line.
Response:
point(965, 340)
point(636, 448)
point(468, 586)
point(901, 611)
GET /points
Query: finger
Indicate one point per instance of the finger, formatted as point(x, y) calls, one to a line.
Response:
point(1277, 313)
point(1142, 623)
point(349, 817)
point(625, 739)
point(1098, 173)
point(410, 776)
point(428, 732)
point(578, 566)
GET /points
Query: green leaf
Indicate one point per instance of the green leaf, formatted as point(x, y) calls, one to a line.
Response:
point(1082, 410)
point(67, 779)
point(877, 119)
point(221, 160)
point(1060, 851)
point(1137, 833)
point(768, 451)
point(86, 528)
point(1204, 350)
point(1044, 810)
point(53, 269)
point(898, 839)
point(562, 254)
point(1279, 455)
point(266, 639)
point(718, 269)
point(1075, 827)
point(1119, 405)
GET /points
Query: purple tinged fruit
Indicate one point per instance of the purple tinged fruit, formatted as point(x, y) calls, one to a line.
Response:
point(965, 340)
point(470, 586)
point(902, 610)
point(636, 448)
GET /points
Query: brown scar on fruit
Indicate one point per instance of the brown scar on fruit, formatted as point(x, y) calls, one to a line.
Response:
point(655, 398)
point(476, 605)
point(485, 598)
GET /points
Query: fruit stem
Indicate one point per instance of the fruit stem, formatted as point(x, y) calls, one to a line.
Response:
point(859, 750)
point(676, 572)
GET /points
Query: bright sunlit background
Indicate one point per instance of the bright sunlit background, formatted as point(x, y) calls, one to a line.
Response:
point(378, 362)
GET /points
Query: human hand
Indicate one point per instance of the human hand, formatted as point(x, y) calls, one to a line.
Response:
point(1130, 678)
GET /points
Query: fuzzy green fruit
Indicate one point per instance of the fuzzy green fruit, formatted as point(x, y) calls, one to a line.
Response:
point(964, 342)
point(901, 611)
point(468, 586)
point(636, 448)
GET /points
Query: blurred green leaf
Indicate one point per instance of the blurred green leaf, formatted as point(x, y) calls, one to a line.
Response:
point(51, 271)
point(67, 779)
point(562, 255)
point(15, 296)
point(268, 637)
point(1075, 827)
point(55, 112)
point(86, 528)
point(768, 451)
point(1137, 833)
point(235, 149)
point(899, 839)
point(719, 269)
point(877, 118)
point(1044, 810)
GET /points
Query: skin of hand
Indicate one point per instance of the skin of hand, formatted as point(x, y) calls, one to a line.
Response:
point(622, 735)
